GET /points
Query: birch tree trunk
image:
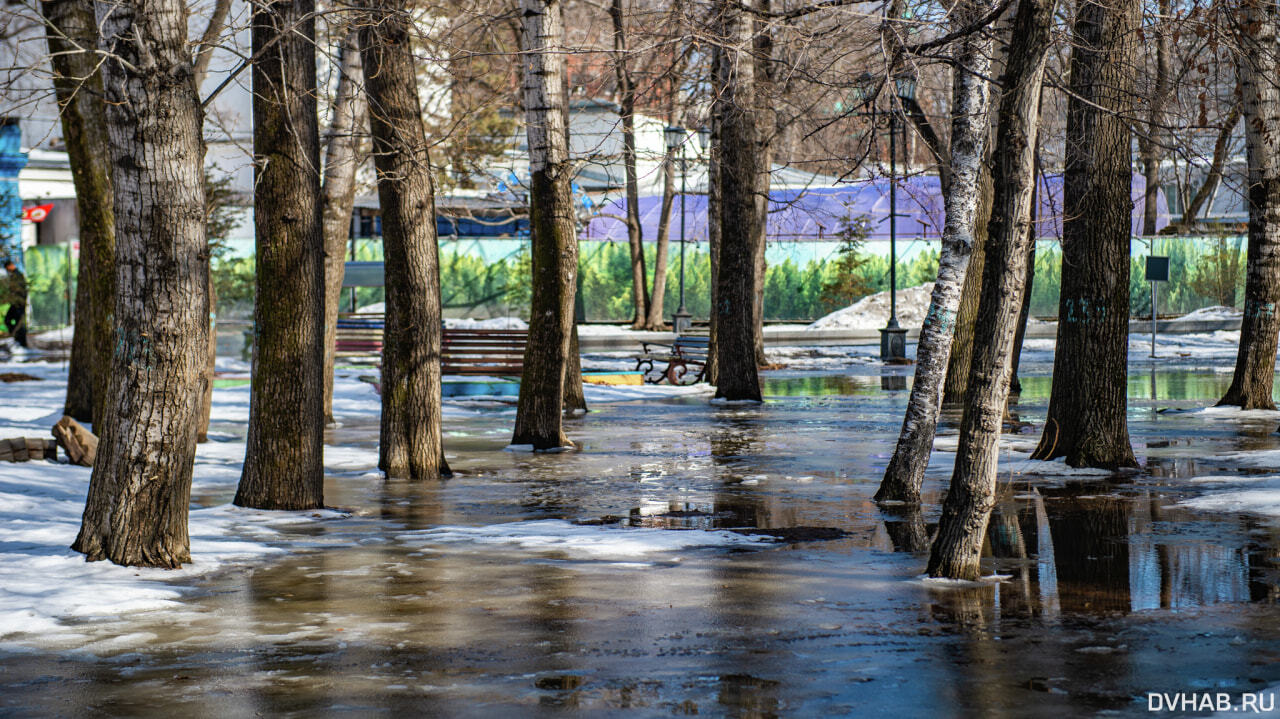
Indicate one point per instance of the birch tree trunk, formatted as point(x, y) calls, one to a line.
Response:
point(957, 547)
point(1258, 67)
point(1028, 283)
point(136, 512)
point(627, 100)
point(77, 85)
point(343, 156)
point(283, 466)
point(555, 247)
point(957, 379)
point(1087, 420)
point(969, 128)
point(410, 445)
point(736, 374)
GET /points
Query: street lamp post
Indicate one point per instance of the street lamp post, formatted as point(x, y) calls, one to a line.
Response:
point(893, 337)
point(675, 137)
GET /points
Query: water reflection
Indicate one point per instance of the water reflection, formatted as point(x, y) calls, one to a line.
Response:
point(357, 620)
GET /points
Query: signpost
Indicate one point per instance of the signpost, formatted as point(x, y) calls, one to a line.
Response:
point(1157, 271)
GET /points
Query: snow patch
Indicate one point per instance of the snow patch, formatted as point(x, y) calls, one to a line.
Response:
point(585, 542)
point(1260, 495)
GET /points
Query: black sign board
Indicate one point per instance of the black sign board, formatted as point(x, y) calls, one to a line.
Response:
point(1157, 269)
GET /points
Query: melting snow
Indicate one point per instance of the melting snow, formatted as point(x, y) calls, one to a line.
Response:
point(577, 541)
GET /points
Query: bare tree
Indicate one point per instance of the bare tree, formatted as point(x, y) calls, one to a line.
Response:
point(969, 128)
point(555, 245)
point(1087, 419)
point(1149, 142)
point(73, 35)
point(204, 54)
point(410, 444)
point(284, 467)
point(344, 153)
point(740, 166)
point(1258, 67)
point(627, 103)
point(136, 512)
point(957, 546)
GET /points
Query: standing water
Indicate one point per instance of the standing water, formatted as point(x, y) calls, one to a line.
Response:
point(718, 561)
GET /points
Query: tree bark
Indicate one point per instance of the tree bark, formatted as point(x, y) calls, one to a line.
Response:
point(767, 126)
point(957, 547)
point(78, 87)
point(343, 156)
point(555, 246)
point(1028, 283)
point(969, 129)
point(1024, 314)
point(210, 362)
point(1087, 421)
point(718, 71)
point(575, 396)
point(283, 466)
point(136, 512)
point(662, 250)
point(627, 100)
point(411, 443)
point(737, 376)
point(1258, 66)
point(957, 379)
point(1149, 149)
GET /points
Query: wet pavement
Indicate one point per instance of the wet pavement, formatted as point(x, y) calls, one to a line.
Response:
point(807, 602)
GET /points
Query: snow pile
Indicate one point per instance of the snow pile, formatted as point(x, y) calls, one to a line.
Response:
point(1217, 312)
point(575, 541)
point(584, 330)
point(493, 323)
point(872, 312)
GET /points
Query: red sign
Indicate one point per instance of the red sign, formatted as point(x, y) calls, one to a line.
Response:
point(36, 213)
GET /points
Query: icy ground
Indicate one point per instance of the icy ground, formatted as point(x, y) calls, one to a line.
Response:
point(724, 560)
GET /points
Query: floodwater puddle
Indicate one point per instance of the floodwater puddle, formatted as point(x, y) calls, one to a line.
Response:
point(723, 561)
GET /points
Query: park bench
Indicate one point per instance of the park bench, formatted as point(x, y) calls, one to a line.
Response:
point(682, 362)
point(359, 336)
point(484, 352)
point(464, 352)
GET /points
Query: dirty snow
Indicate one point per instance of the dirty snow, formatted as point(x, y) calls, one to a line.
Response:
point(872, 312)
point(1217, 312)
point(575, 541)
point(1250, 494)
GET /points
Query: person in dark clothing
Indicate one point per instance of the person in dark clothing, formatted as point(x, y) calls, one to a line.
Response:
point(15, 320)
